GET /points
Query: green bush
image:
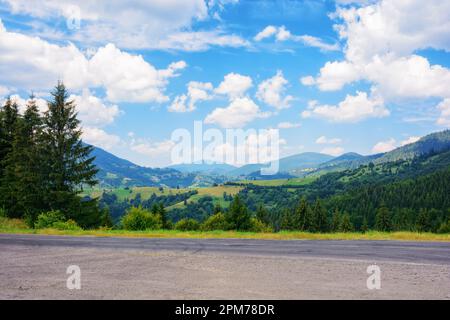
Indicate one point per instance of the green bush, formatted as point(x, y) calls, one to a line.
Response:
point(217, 221)
point(258, 226)
point(141, 219)
point(66, 225)
point(187, 225)
point(445, 227)
point(47, 219)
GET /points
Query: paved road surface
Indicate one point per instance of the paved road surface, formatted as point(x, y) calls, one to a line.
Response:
point(33, 266)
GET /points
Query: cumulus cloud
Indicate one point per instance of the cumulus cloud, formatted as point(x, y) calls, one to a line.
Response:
point(137, 24)
point(98, 137)
point(92, 111)
point(334, 151)
point(444, 118)
point(197, 91)
point(382, 43)
point(35, 64)
point(351, 109)
point(411, 139)
point(271, 91)
point(384, 146)
point(237, 114)
point(234, 85)
point(282, 34)
point(325, 140)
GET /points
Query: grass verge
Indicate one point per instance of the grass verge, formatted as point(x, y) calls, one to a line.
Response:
point(16, 227)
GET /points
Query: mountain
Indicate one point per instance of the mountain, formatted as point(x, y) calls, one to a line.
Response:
point(295, 165)
point(117, 172)
point(432, 143)
point(204, 168)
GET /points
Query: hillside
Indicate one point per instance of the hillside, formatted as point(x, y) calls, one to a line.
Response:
point(117, 172)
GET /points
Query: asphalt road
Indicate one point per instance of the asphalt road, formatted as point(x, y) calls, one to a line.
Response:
point(414, 252)
point(34, 267)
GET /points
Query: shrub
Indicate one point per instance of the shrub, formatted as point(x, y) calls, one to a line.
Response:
point(258, 226)
point(217, 221)
point(66, 225)
point(47, 219)
point(137, 218)
point(187, 225)
point(445, 227)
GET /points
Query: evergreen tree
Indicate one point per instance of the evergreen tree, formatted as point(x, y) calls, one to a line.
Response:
point(22, 182)
point(319, 218)
point(383, 219)
point(302, 219)
point(8, 117)
point(287, 220)
point(423, 221)
point(365, 225)
point(68, 164)
point(346, 223)
point(238, 215)
point(336, 221)
point(262, 214)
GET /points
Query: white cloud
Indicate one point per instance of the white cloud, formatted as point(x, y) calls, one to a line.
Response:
point(35, 64)
point(308, 81)
point(384, 146)
point(197, 91)
point(22, 103)
point(100, 138)
point(267, 32)
point(4, 91)
point(240, 112)
point(271, 90)
point(288, 125)
point(92, 111)
point(282, 34)
point(234, 85)
point(351, 109)
point(325, 140)
point(334, 151)
point(411, 139)
point(382, 40)
point(444, 118)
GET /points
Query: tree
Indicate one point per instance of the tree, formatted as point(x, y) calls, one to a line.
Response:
point(68, 164)
point(319, 218)
point(336, 221)
point(8, 117)
point(262, 214)
point(302, 219)
point(365, 225)
point(383, 219)
point(423, 221)
point(238, 215)
point(22, 182)
point(346, 223)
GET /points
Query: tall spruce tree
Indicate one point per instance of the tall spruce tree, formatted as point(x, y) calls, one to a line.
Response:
point(69, 165)
point(383, 219)
point(22, 182)
point(238, 215)
point(302, 219)
point(320, 218)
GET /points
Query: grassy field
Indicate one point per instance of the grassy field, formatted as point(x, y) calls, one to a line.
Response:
point(215, 192)
point(15, 226)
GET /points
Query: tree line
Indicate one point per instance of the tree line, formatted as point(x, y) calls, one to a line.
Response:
point(43, 162)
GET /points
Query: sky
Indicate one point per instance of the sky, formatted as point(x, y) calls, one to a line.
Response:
point(333, 76)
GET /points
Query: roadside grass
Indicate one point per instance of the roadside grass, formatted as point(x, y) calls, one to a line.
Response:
point(15, 226)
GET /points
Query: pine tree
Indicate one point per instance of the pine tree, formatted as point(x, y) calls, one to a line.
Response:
point(383, 219)
point(68, 164)
point(336, 221)
point(365, 225)
point(238, 215)
point(346, 223)
point(319, 218)
point(22, 183)
point(302, 219)
point(8, 117)
point(262, 214)
point(423, 221)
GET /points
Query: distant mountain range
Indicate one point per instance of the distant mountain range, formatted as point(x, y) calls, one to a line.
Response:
point(115, 172)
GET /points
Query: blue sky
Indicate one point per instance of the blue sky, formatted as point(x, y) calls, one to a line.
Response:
point(335, 77)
